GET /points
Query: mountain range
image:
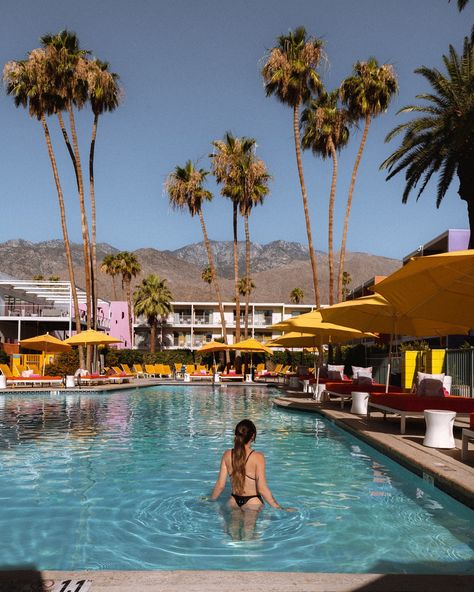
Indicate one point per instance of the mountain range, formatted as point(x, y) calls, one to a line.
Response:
point(277, 267)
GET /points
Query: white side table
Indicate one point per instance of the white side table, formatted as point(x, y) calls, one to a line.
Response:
point(3, 382)
point(360, 401)
point(318, 391)
point(187, 377)
point(467, 434)
point(439, 428)
point(70, 382)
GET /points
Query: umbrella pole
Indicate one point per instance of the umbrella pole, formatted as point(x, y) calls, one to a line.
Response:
point(389, 363)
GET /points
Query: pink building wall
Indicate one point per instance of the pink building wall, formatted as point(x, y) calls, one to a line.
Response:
point(116, 321)
point(118, 313)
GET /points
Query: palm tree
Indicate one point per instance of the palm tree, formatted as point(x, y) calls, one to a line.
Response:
point(290, 74)
point(226, 166)
point(109, 266)
point(66, 73)
point(152, 299)
point(185, 190)
point(207, 277)
point(346, 282)
point(367, 93)
point(25, 81)
point(441, 139)
point(325, 132)
point(461, 4)
point(254, 187)
point(296, 295)
point(104, 96)
point(128, 267)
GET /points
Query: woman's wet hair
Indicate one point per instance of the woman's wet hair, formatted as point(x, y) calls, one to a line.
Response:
point(245, 432)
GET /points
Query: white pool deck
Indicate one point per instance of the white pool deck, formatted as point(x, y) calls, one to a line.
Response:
point(444, 467)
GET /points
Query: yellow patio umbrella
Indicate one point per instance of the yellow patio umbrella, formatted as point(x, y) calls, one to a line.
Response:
point(251, 346)
point(46, 344)
point(211, 347)
point(91, 337)
point(327, 332)
point(437, 287)
point(375, 313)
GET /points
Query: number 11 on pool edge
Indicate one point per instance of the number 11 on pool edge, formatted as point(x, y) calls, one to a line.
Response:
point(72, 586)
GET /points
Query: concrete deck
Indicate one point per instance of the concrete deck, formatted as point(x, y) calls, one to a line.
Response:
point(232, 581)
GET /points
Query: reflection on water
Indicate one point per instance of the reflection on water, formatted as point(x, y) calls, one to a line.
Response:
point(59, 416)
point(115, 481)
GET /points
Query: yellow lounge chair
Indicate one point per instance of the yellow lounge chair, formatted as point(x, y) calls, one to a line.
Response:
point(138, 370)
point(166, 370)
point(150, 369)
point(126, 368)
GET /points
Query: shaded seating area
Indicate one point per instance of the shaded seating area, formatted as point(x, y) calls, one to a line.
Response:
point(411, 405)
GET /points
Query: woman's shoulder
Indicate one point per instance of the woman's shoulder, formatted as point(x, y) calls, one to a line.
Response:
point(258, 456)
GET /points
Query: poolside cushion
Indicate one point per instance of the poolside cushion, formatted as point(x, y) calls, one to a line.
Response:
point(404, 402)
point(335, 372)
point(362, 376)
point(471, 421)
point(430, 385)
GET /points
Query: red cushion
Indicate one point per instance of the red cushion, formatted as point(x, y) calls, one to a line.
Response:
point(344, 388)
point(405, 402)
point(471, 421)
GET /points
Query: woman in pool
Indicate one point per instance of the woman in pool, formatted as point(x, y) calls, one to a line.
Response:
point(246, 469)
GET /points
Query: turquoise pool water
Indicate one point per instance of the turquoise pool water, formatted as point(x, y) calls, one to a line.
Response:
point(114, 481)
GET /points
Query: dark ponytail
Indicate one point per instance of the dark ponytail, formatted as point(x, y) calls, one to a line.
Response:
point(245, 432)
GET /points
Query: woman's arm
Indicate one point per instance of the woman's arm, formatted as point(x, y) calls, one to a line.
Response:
point(262, 486)
point(221, 479)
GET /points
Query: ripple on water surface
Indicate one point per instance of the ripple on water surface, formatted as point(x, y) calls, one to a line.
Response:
point(117, 482)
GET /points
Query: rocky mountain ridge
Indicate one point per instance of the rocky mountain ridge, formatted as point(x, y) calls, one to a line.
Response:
point(277, 267)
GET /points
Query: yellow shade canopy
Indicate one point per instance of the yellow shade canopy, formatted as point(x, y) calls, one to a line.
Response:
point(374, 313)
point(45, 343)
point(91, 337)
point(437, 287)
point(312, 322)
point(295, 339)
point(252, 346)
point(211, 347)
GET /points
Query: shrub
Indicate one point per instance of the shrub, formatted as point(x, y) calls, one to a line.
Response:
point(65, 363)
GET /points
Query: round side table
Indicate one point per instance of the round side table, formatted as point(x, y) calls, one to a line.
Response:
point(318, 391)
point(359, 403)
point(439, 428)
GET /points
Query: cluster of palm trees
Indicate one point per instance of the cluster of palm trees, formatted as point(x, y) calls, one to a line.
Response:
point(244, 180)
point(291, 75)
point(59, 78)
point(151, 298)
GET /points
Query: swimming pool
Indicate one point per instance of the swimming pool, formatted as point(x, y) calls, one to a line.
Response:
point(115, 481)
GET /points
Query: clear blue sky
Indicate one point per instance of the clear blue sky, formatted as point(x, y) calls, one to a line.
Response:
point(190, 71)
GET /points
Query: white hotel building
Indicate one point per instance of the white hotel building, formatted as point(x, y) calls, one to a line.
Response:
point(194, 323)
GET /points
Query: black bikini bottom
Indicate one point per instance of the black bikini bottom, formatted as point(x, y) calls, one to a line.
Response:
point(241, 500)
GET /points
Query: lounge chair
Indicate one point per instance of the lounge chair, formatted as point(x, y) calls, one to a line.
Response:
point(119, 372)
point(150, 369)
point(126, 368)
point(139, 372)
point(32, 380)
point(408, 405)
point(166, 371)
point(342, 390)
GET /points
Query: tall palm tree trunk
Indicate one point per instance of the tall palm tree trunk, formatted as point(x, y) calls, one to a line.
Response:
point(312, 256)
point(153, 330)
point(236, 275)
point(342, 252)
point(84, 224)
point(93, 223)
point(67, 246)
point(247, 275)
point(128, 290)
point(114, 287)
point(332, 197)
point(215, 279)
